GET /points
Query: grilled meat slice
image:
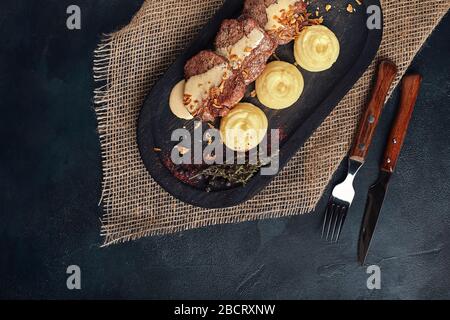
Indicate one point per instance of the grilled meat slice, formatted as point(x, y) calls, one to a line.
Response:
point(212, 88)
point(246, 46)
point(282, 19)
point(256, 9)
point(201, 63)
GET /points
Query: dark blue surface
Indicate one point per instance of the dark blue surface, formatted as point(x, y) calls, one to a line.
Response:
point(50, 176)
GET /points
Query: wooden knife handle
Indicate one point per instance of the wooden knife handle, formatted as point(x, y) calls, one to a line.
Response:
point(410, 91)
point(386, 75)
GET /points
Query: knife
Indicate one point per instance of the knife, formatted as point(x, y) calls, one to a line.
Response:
point(375, 197)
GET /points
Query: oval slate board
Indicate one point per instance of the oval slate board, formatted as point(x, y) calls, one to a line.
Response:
point(322, 93)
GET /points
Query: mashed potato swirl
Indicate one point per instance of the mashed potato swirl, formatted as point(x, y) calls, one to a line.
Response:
point(316, 48)
point(280, 85)
point(244, 127)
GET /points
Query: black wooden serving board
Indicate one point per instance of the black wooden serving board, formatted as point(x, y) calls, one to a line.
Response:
point(321, 94)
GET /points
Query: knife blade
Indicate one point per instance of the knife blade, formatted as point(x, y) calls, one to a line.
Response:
point(377, 192)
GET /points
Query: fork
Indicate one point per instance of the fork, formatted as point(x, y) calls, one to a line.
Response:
point(342, 195)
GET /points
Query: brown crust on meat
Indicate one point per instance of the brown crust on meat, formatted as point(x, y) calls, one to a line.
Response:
point(200, 63)
point(256, 9)
point(230, 32)
point(231, 93)
point(233, 90)
point(269, 2)
point(253, 65)
point(220, 100)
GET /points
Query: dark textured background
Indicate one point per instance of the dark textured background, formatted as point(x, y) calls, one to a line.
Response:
point(50, 175)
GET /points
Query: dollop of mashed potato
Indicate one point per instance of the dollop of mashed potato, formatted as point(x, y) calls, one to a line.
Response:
point(316, 48)
point(280, 85)
point(244, 127)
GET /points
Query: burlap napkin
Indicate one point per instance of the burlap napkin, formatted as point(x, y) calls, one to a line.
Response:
point(129, 61)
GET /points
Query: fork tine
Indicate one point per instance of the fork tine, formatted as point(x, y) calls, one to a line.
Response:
point(339, 202)
point(330, 221)
point(327, 212)
point(341, 223)
point(338, 215)
point(333, 221)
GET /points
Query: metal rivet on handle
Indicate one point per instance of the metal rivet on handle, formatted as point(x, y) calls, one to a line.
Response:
point(394, 141)
point(371, 119)
point(362, 146)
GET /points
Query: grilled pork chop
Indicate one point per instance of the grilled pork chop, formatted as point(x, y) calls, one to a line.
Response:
point(212, 87)
point(282, 19)
point(246, 46)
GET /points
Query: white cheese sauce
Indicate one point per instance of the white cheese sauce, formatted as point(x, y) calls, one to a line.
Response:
point(197, 87)
point(274, 12)
point(176, 101)
point(237, 52)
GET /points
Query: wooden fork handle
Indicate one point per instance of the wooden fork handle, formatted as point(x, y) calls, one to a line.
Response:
point(387, 72)
point(410, 91)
